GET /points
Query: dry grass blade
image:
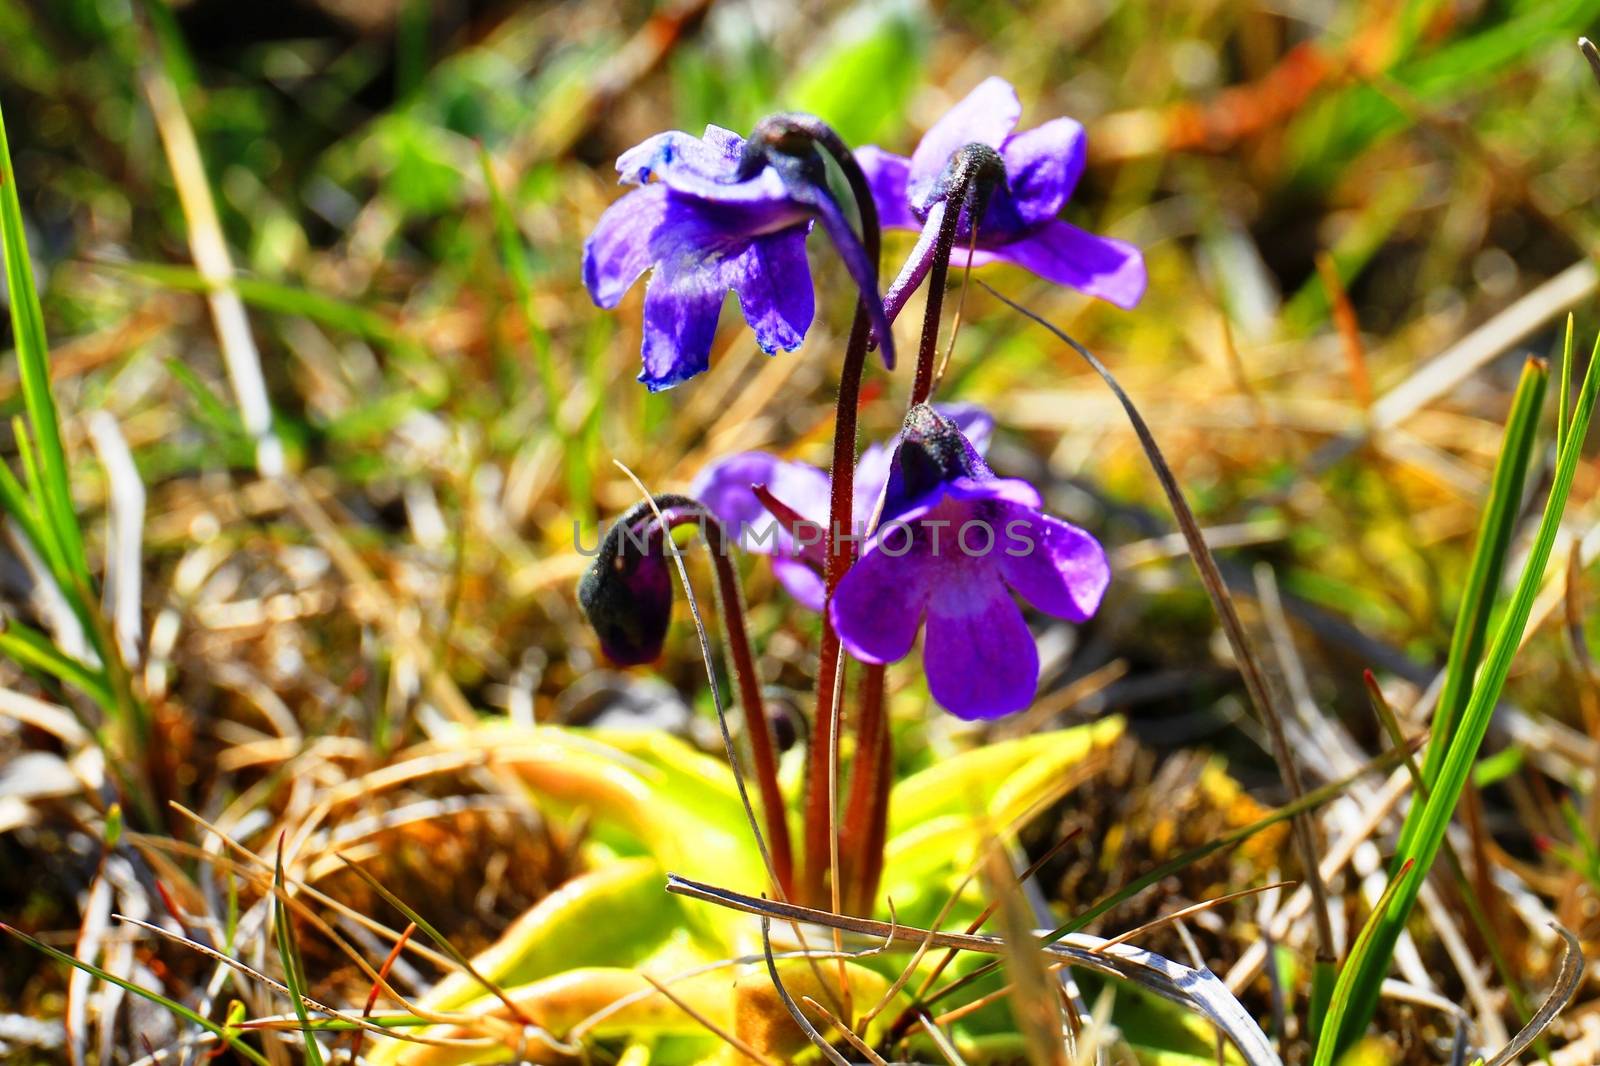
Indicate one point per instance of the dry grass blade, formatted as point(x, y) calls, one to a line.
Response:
point(732, 1040)
point(1255, 678)
point(941, 1040)
point(1195, 990)
point(1185, 912)
point(258, 874)
point(209, 247)
point(1568, 978)
point(356, 1022)
point(828, 1050)
point(439, 938)
point(178, 1009)
point(1034, 1005)
point(989, 908)
point(377, 985)
point(846, 1032)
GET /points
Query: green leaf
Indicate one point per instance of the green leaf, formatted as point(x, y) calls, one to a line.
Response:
point(1344, 988)
point(1365, 969)
point(293, 967)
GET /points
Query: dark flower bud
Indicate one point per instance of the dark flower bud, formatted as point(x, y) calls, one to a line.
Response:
point(627, 593)
point(932, 452)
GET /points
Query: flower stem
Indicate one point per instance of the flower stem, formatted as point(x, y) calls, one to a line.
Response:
point(840, 550)
point(928, 349)
point(757, 723)
point(679, 510)
point(866, 813)
point(972, 177)
point(840, 555)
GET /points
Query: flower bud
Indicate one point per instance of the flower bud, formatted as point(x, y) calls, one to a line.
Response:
point(627, 593)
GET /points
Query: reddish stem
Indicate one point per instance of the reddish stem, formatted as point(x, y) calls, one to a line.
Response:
point(757, 723)
point(681, 510)
point(867, 807)
point(840, 555)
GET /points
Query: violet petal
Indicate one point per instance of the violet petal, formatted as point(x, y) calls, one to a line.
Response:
point(773, 281)
point(1058, 568)
point(680, 321)
point(1043, 166)
point(1110, 269)
point(621, 247)
point(886, 177)
point(986, 115)
point(979, 655)
point(801, 581)
point(877, 606)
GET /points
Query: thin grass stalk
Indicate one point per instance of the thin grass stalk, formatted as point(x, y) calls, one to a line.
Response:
point(1250, 670)
point(33, 367)
point(52, 522)
point(1343, 990)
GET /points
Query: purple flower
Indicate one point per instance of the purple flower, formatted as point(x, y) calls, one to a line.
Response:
point(715, 213)
point(1019, 224)
point(954, 542)
point(702, 232)
point(798, 554)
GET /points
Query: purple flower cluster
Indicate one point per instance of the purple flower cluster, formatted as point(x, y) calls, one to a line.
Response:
point(717, 213)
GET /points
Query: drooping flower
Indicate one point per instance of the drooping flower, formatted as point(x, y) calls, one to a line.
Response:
point(954, 543)
point(725, 487)
point(1019, 224)
point(627, 592)
point(712, 214)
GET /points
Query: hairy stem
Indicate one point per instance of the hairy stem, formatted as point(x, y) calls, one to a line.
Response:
point(678, 510)
point(866, 810)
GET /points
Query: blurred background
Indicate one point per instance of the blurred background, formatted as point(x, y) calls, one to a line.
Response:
point(1359, 218)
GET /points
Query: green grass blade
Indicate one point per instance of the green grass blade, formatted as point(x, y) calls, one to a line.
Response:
point(1564, 397)
point(224, 1034)
point(1343, 989)
point(1487, 566)
point(293, 968)
point(1324, 979)
point(31, 648)
point(33, 366)
point(1367, 966)
point(45, 539)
